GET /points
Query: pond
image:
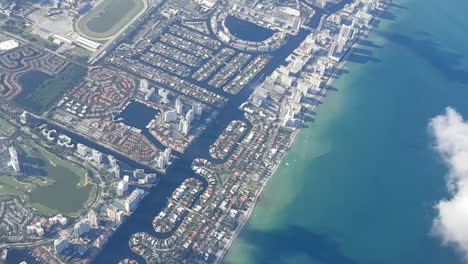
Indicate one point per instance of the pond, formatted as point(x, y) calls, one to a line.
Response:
point(246, 30)
point(137, 115)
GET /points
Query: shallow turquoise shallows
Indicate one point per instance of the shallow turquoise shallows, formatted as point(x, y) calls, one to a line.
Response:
point(360, 184)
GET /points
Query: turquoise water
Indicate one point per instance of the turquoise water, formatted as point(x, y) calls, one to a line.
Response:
point(362, 180)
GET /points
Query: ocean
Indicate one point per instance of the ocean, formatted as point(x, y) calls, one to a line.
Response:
point(360, 184)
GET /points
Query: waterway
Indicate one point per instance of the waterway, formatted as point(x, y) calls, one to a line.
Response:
point(360, 184)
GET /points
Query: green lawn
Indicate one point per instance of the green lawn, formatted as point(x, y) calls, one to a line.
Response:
point(9, 185)
point(6, 128)
point(109, 17)
point(52, 185)
point(80, 52)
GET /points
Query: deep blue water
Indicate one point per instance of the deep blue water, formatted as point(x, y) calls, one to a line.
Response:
point(360, 184)
point(138, 115)
point(246, 30)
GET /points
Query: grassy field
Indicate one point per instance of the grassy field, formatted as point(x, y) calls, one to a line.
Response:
point(6, 129)
point(109, 17)
point(41, 92)
point(52, 186)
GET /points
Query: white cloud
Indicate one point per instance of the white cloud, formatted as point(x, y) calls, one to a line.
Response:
point(451, 141)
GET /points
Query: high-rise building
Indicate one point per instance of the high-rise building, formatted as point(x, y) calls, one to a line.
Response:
point(116, 170)
point(122, 186)
point(345, 34)
point(167, 154)
point(170, 116)
point(114, 214)
point(303, 86)
point(132, 201)
point(97, 156)
point(332, 51)
point(81, 227)
point(161, 161)
point(184, 127)
point(14, 159)
point(179, 106)
point(61, 244)
point(190, 116)
point(120, 216)
point(82, 150)
point(197, 109)
point(93, 218)
point(112, 160)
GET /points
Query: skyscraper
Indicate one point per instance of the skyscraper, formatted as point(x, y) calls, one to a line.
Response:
point(97, 156)
point(161, 161)
point(111, 212)
point(179, 106)
point(116, 169)
point(345, 34)
point(82, 149)
point(170, 116)
point(122, 186)
point(61, 244)
point(184, 127)
point(197, 109)
point(81, 227)
point(189, 116)
point(132, 201)
point(93, 218)
point(167, 154)
point(112, 160)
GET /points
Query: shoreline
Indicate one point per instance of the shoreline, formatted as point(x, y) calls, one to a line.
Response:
point(323, 91)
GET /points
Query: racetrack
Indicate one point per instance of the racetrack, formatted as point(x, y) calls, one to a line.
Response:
point(108, 18)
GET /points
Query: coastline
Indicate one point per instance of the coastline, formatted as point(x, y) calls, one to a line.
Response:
point(310, 109)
